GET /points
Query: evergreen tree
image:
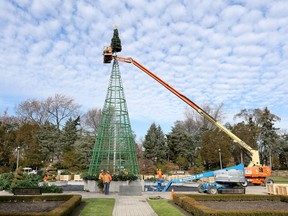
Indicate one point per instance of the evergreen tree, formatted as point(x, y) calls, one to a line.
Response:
point(182, 162)
point(116, 42)
point(181, 143)
point(261, 124)
point(26, 138)
point(69, 134)
point(84, 145)
point(211, 142)
point(283, 151)
point(249, 134)
point(268, 136)
point(49, 138)
point(8, 133)
point(155, 144)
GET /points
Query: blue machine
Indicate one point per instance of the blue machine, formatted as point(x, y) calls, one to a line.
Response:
point(227, 178)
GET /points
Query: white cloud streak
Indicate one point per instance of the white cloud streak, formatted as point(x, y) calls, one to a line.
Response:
point(212, 51)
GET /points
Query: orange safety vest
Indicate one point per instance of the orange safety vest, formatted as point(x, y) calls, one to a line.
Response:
point(106, 178)
point(101, 176)
point(159, 172)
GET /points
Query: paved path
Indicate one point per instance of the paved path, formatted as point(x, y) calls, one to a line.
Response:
point(127, 205)
point(132, 206)
point(138, 205)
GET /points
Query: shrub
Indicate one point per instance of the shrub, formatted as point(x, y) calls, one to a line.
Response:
point(51, 172)
point(6, 180)
point(191, 204)
point(65, 172)
point(89, 177)
point(152, 179)
point(45, 188)
point(26, 182)
point(71, 202)
point(124, 177)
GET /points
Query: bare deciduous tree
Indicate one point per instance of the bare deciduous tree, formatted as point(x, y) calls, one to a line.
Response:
point(55, 110)
point(91, 120)
point(194, 121)
point(32, 110)
point(61, 108)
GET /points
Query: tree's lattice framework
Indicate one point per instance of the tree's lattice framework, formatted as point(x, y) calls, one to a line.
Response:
point(114, 148)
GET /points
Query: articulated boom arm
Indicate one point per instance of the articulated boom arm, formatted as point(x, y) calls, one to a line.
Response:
point(254, 153)
point(202, 175)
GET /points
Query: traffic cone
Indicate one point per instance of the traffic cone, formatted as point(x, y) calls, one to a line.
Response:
point(172, 194)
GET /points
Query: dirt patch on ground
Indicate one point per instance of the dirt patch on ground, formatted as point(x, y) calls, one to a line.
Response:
point(27, 206)
point(246, 205)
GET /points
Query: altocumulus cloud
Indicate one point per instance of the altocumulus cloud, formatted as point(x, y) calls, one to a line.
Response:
point(231, 52)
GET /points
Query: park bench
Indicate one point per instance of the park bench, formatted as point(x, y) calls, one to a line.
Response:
point(27, 191)
point(232, 191)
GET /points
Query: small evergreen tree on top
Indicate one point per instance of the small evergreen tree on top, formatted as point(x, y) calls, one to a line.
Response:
point(116, 42)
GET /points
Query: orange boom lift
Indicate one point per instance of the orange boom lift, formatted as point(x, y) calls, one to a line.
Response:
point(255, 173)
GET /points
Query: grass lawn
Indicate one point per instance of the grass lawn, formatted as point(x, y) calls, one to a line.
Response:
point(99, 207)
point(279, 180)
point(165, 207)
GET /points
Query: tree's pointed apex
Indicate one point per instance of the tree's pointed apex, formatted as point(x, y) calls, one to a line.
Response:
point(116, 42)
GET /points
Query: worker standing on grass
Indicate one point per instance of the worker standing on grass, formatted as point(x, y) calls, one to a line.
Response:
point(106, 181)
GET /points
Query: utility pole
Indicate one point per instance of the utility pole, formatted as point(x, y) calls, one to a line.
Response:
point(18, 154)
point(220, 159)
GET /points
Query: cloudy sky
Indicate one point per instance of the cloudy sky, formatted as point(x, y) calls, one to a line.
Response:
point(231, 52)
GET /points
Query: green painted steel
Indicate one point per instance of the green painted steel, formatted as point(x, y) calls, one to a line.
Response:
point(115, 148)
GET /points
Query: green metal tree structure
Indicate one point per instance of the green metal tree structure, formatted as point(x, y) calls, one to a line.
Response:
point(115, 147)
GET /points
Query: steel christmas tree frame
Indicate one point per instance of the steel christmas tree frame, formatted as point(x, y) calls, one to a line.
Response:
point(115, 148)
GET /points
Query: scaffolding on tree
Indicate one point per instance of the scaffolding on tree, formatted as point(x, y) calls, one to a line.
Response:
point(115, 148)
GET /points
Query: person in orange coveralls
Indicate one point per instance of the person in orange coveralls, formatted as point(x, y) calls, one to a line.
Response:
point(101, 175)
point(159, 173)
point(160, 179)
point(106, 181)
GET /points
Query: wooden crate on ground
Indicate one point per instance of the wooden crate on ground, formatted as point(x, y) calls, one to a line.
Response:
point(277, 189)
point(283, 190)
point(77, 178)
point(65, 177)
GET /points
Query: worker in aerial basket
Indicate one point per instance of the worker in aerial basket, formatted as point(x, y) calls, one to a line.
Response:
point(108, 49)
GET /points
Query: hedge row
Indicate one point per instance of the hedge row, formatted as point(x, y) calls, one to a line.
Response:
point(63, 210)
point(189, 202)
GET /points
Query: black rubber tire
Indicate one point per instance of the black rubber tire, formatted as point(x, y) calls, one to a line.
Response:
point(200, 188)
point(212, 190)
point(244, 184)
point(268, 181)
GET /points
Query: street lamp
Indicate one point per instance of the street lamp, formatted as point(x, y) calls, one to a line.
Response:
point(18, 150)
point(155, 160)
point(220, 159)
